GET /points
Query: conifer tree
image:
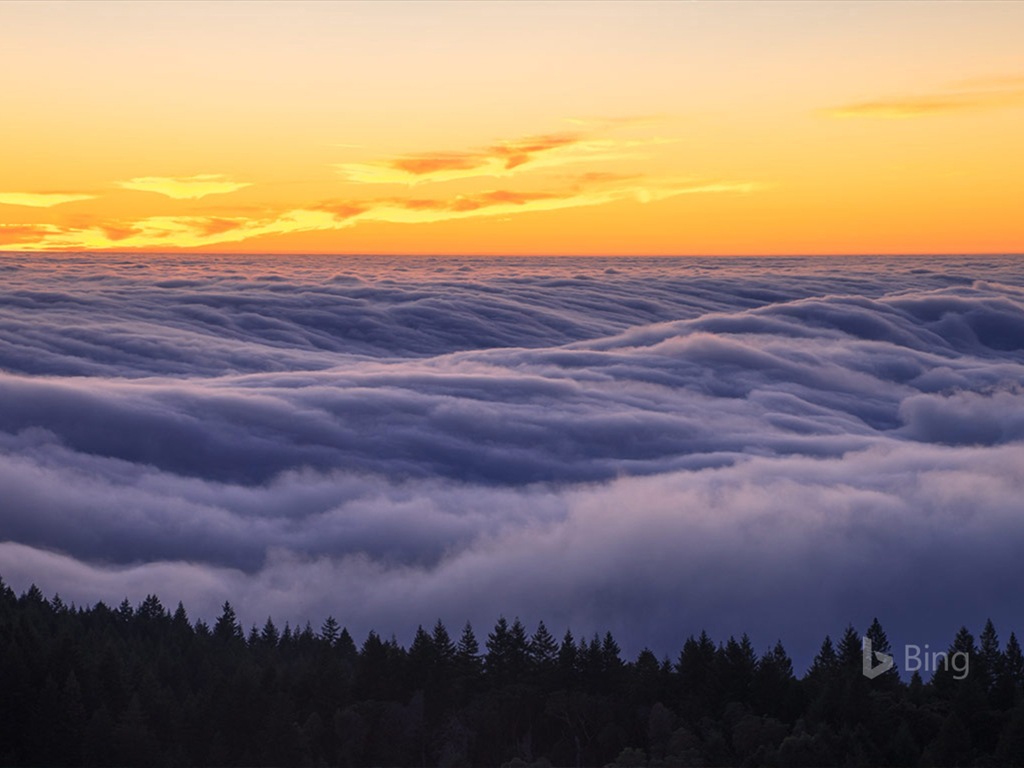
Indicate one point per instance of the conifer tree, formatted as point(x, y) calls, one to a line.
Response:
point(850, 651)
point(518, 651)
point(1013, 663)
point(227, 627)
point(467, 655)
point(880, 644)
point(346, 646)
point(497, 660)
point(990, 657)
point(468, 647)
point(444, 648)
point(610, 652)
point(329, 630)
point(269, 636)
point(180, 618)
point(568, 659)
point(543, 649)
point(826, 662)
point(421, 653)
point(124, 611)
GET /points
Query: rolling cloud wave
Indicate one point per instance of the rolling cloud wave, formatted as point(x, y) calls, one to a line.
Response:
point(653, 446)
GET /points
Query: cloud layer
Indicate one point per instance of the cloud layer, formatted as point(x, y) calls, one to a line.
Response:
point(192, 231)
point(651, 445)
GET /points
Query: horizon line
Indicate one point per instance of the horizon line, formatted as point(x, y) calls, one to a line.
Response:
point(399, 254)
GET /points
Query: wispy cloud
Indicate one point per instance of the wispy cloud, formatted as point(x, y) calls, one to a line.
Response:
point(497, 160)
point(414, 202)
point(965, 96)
point(41, 199)
point(25, 233)
point(184, 187)
point(199, 231)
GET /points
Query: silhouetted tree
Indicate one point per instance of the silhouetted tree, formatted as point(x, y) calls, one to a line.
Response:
point(227, 628)
point(137, 685)
point(329, 630)
point(270, 637)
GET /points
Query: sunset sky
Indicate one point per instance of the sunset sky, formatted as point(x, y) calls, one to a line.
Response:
point(490, 128)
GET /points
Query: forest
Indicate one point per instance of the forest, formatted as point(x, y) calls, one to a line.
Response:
point(143, 685)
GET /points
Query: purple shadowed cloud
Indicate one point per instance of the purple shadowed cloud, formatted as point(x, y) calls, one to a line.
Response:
point(650, 446)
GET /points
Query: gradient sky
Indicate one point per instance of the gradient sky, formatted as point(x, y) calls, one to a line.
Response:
point(576, 127)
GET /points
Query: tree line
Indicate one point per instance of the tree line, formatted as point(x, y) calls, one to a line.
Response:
point(142, 685)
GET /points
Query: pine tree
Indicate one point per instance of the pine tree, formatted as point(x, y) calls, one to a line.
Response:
point(880, 644)
point(497, 661)
point(543, 649)
point(7, 596)
point(944, 677)
point(850, 650)
point(124, 611)
point(227, 627)
point(468, 648)
point(1013, 662)
point(151, 609)
point(329, 631)
point(773, 686)
point(568, 660)
point(372, 678)
point(518, 651)
point(421, 658)
point(697, 675)
point(269, 637)
point(467, 654)
point(346, 646)
point(306, 639)
point(610, 653)
point(990, 657)
point(180, 619)
point(825, 683)
point(736, 663)
point(826, 662)
point(444, 648)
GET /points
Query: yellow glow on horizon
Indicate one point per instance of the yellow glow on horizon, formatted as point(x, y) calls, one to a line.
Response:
point(501, 127)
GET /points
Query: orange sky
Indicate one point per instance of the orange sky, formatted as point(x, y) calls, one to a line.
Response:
point(489, 127)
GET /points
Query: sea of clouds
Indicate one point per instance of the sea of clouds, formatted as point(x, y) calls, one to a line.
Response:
point(651, 446)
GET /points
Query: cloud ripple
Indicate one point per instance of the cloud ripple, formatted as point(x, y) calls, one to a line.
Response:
point(651, 445)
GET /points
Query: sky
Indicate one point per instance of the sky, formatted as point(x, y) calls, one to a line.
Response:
point(512, 128)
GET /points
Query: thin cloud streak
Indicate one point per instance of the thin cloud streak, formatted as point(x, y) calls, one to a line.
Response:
point(967, 96)
point(41, 199)
point(502, 159)
point(184, 187)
